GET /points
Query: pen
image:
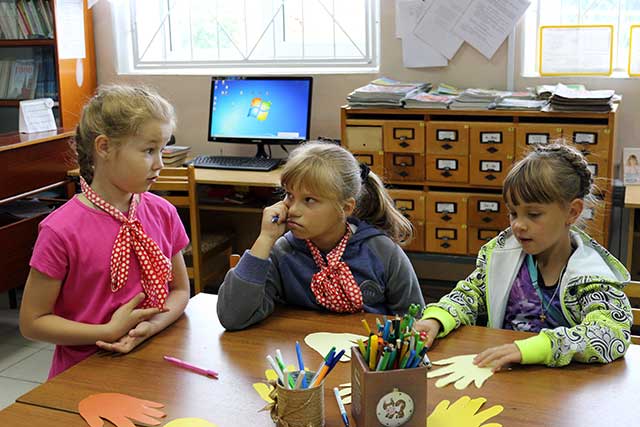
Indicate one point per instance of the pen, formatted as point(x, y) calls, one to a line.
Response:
point(190, 367)
point(300, 363)
point(343, 411)
point(275, 219)
point(277, 370)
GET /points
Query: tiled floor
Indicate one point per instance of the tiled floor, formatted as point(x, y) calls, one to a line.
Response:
point(23, 364)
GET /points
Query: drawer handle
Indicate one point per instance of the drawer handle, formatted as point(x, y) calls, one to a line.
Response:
point(447, 146)
point(404, 144)
point(446, 174)
point(403, 174)
point(446, 218)
point(490, 177)
point(585, 152)
point(492, 150)
point(445, 245)
point(487, 220)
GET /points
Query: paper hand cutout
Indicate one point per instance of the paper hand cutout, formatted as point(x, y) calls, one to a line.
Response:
point(120, 409)
point(189, 422)
point(323, 341)
point(463, 413)
point(461, 370)
point(265, 389)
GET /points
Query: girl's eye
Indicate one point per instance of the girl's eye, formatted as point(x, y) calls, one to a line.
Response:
point(534, 214)
point(150, 150)
point(309, 199)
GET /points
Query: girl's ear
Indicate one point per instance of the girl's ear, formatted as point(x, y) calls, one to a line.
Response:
point(575, 210)
point(349, 206)
point(102, 146)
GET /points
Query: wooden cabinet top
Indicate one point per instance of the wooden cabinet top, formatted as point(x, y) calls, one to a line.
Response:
point(12, 141)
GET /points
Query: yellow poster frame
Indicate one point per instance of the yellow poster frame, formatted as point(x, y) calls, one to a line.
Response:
point(631, 51)
point(576, 73)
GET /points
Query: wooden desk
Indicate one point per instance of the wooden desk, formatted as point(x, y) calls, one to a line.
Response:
point(576, 395)
point(631, 202)
point(21, 415)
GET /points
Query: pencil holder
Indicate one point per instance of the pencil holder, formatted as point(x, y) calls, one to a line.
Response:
point(391, 398)
point(299, 407)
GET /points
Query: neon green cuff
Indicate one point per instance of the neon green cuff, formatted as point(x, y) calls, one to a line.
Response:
point(535, 350)
point(442, 316)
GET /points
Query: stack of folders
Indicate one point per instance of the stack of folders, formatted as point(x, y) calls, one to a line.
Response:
point(175, 155)
point(567, 99)
point(421, 99)
point(384, 92)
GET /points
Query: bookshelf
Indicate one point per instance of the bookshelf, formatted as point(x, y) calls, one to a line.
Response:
point(30, 37)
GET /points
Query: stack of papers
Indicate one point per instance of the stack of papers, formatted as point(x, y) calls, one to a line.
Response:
point(477, 99)
point(421, 99)
point(519, 104)
point(383, 92)
point(566, 99)
point(545, 91)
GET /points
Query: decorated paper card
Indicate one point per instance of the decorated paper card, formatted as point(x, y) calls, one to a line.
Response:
point(322, 342)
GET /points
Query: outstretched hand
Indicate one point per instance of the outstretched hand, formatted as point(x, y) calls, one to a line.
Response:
point(499, 357)
point(131, 340)
point(119, 409)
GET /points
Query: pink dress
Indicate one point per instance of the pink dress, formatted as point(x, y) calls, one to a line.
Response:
point(74, 246)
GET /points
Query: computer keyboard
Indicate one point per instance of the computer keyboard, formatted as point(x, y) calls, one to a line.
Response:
point(238, 163)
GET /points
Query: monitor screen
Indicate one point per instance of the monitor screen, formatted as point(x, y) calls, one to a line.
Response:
point(269, 110)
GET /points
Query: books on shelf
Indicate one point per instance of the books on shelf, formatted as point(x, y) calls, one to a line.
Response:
point(175, 155)
point(26, 19)
point(384, 92)
point(22, 79)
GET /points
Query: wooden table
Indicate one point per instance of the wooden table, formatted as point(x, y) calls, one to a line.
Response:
point(21, 415)
point(576, 395)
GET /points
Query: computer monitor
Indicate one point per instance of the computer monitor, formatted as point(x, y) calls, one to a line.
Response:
point(260, 110)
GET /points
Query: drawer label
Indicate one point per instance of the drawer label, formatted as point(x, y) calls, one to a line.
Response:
point(367, 159)
point(590, 138)
point(537, 138)
point(446, 233)
point(404, 204)
point(404, 133)
point(447, 164)
point(593, 167)
point(446, 207)
point(488, 206)
point(491, 137)
point(490, 166)
point(446, 135)
point(486, 235)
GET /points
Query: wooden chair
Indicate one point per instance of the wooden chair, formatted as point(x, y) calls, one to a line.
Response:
point(178, 186)
point(633, 292)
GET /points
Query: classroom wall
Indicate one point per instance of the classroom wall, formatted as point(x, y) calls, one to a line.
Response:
point(468, 68)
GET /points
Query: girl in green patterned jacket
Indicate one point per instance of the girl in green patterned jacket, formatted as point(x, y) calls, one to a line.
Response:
point(543, 274)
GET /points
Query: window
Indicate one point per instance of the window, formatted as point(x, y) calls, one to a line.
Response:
point(619, 13)
point(246, 34)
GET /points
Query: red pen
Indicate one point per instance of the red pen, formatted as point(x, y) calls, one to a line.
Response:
point(191, 367)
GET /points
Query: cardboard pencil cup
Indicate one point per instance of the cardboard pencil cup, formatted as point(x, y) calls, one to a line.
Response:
point(299, 407)
point(390, 398)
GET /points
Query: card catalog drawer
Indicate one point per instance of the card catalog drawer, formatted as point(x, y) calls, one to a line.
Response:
point(409, 202)
point(404, 167)
point(479, 236)
point(363, 138)
point(488, 171)
point(417, 243)
point(589, 139)
point(530, 135)
point(404, 136)
point(445, 168)
point(598, 165)
point(593, 218)
point(487, 210)
point(446, 208)
point(447, 239)
point(492, 139)
point(451, 138)
point(375, 161)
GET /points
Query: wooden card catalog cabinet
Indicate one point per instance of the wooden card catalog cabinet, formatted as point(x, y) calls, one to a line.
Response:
point(458, 160)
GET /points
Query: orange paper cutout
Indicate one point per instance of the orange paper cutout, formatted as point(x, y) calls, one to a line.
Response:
point(119, 409)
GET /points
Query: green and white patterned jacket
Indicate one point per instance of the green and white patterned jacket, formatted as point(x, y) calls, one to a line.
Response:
point(591, 296)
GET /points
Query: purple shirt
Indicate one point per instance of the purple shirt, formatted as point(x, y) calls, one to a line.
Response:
point(524, 306)
point(74, 245)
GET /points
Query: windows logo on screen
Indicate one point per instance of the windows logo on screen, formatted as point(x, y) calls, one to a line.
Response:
point(259, 109)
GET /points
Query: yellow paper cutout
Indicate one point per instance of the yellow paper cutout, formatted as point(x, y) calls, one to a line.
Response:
point(461, 371)
point(190, 422)
point(463, 413)
point(264, 389)
point(347, 400)
point(323, 341)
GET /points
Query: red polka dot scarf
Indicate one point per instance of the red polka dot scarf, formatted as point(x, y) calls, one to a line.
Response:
point(334, 285)
point(156, 269)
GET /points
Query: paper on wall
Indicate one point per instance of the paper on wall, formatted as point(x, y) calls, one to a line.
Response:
point(70, 29)
point(436, 24)
point(487, 23)
point(408, 12)
point(417, 54)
